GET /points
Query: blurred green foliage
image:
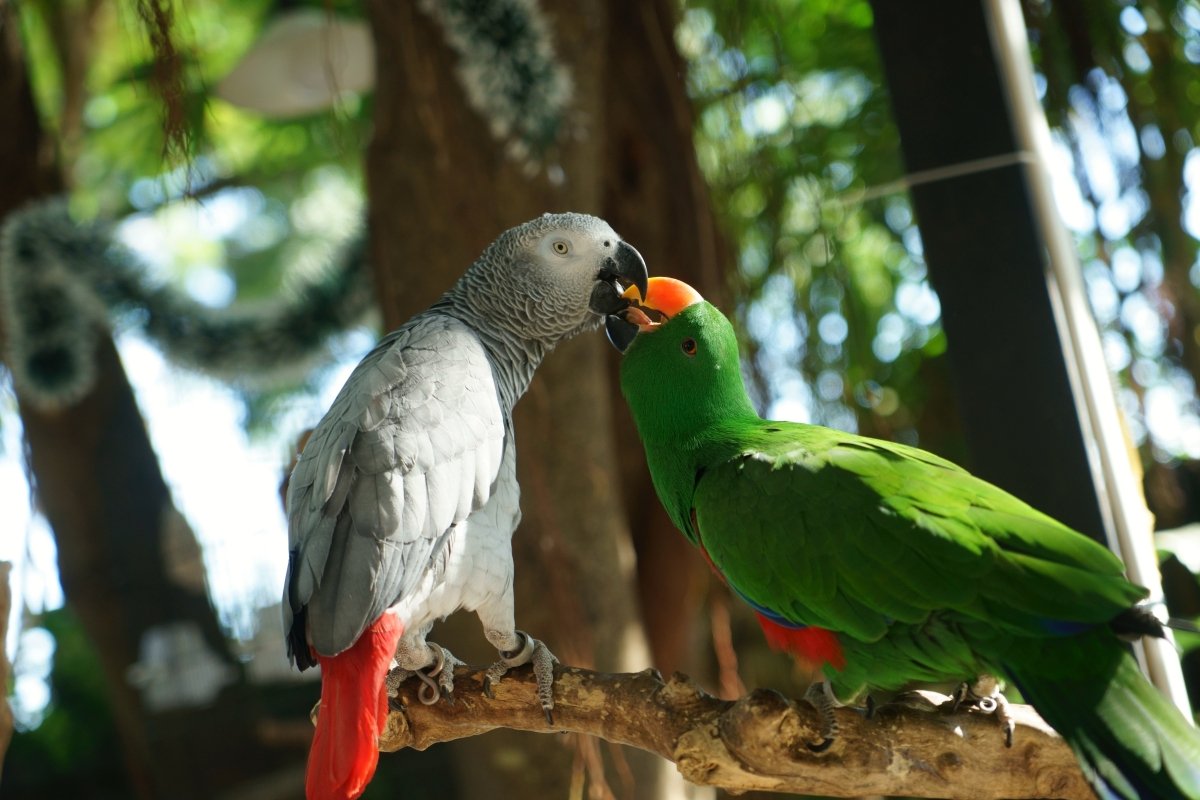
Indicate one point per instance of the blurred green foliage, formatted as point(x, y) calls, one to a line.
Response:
point(1121, 87)
point(74, 743)
point(250, 205)
point(796, 138)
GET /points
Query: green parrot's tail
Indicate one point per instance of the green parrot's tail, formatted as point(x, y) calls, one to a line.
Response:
point(1131, 742)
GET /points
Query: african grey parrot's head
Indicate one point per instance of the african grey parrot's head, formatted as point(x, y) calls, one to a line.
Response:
point(553, 277)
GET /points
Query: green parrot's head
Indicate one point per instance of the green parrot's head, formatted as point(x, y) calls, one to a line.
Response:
point(681, 372)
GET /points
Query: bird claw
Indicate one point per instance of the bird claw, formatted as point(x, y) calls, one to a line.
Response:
point(395, 677)
point(985, 697)
point(820, 696)
point(530, 651)
point(437, 680)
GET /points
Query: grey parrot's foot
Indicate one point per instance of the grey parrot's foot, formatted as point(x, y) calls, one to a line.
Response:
point(437, 680)
point(530, 651)
point(820, 696)
point(395, 677)
point(984, 695)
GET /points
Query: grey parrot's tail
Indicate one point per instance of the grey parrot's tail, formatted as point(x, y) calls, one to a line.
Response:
point(354, 708)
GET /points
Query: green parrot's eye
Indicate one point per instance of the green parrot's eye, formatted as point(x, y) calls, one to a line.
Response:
point(689, 347)
point(561, 247)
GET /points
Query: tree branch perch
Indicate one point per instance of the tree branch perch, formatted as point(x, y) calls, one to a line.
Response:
point(760, 742)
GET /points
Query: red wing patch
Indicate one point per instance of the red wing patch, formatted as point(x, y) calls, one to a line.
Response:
point(814, 646)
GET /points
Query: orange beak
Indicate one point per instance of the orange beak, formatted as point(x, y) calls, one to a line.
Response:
point(667, 296)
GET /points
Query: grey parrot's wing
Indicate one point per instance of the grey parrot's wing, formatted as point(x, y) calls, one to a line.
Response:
point(410, 447)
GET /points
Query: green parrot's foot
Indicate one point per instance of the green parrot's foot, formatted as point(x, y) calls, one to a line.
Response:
point(820, 696)
point(437, 680)
point(530, 651)
point(984, 695)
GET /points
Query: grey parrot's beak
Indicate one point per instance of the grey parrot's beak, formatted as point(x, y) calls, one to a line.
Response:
point(621, 271)
point(620, 332)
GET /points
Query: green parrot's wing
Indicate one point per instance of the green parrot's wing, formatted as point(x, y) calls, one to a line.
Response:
point(853, 534)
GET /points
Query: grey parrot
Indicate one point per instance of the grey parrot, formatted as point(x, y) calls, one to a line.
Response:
point(402, 505)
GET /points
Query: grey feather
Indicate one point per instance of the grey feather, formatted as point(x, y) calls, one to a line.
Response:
point(419, 437)
point(396, 484)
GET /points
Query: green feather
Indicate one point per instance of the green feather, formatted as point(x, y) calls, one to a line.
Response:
point(1128, 737)
point(925, 572)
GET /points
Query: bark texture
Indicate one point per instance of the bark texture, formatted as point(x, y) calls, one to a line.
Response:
point(440, 189)
point(762, 741)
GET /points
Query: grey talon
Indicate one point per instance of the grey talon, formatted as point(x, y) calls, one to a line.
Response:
point(528, 651)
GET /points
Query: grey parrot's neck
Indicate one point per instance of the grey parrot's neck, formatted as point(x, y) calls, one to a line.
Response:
point(514, 363)
point(514, 358)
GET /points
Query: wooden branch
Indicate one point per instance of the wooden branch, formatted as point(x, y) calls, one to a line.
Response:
point(760, 742)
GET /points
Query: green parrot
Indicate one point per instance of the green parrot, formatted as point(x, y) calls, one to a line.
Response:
point(885, 564)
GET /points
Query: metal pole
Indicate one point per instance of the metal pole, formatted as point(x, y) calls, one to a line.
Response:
point(1127, 520)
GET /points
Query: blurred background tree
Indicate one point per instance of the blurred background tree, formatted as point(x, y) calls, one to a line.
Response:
point(747, 147)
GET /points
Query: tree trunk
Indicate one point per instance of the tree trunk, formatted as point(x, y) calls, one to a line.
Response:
point(440, 189)
point(655, 195)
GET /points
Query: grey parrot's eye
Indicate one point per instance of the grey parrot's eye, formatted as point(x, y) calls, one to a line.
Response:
point(561, 247)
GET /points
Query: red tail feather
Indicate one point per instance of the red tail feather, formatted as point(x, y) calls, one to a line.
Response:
point(354, 707)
